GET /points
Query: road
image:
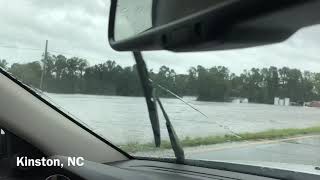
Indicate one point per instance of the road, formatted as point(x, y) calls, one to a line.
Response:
point(298, 150)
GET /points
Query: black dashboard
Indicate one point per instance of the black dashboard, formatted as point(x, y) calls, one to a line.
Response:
point(148, 169)
point(161, 170)
point(156, 170)
point(145, 170)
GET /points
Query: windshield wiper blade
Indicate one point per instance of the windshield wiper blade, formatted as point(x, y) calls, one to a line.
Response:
point(152, 100)
point(175, 142)
point(190, 105)
point(178, 97)
point(149, 95)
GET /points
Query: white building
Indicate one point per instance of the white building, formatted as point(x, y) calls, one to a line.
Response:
point(287, 101)
point(276, 101)
point(245, 100)
point(281, 102)
point(241, 100)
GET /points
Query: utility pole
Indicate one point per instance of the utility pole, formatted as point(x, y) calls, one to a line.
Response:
point(44, 65)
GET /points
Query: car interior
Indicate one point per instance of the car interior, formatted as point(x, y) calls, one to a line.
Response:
point(32, 127)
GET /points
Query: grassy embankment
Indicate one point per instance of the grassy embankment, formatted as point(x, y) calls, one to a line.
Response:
point(192, 142)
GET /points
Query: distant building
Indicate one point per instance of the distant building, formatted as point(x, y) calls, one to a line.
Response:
point(287, 101)
point(237, 101)
point(245, 100)
point(281, 102)
point(276, 101)
point(240, 100)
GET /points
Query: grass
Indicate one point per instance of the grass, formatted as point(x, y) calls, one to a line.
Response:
point(210, 140)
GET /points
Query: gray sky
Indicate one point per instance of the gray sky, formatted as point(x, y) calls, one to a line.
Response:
point(79, 28)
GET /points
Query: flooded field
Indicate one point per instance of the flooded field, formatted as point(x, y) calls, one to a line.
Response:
point(125, 119)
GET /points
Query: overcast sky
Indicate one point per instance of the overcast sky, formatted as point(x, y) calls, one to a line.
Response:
point(79, 28)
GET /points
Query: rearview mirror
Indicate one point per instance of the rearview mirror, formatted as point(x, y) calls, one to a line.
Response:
point(189, 25)
point(135, 17)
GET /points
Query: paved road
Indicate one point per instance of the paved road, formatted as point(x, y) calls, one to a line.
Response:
point(299, 150)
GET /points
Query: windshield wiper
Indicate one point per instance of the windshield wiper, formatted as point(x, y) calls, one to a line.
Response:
point(174, 140)
point(149, 95)
point(194, 108)
point(178, 97)
point(152, 100)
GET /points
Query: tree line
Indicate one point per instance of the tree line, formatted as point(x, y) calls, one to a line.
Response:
point(75, 75)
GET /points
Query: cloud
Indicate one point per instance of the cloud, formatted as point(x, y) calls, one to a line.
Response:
point(75, 27)
point(92, 7)
point(79, 28)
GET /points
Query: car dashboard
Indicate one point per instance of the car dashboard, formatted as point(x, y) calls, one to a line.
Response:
point(155, 170)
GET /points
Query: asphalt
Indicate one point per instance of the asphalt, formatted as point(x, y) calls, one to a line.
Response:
point(298, 150)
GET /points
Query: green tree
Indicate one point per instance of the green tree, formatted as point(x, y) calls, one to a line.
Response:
point(213, 83)
point(60, 66)
point(29, 73)
point(316, 83)
point(74, 75)
point(270, 86)
point(3, 64)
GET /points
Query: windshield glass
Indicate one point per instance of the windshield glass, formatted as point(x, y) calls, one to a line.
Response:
point(256, 104)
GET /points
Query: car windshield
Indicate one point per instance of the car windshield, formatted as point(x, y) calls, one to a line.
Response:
point(256, 104)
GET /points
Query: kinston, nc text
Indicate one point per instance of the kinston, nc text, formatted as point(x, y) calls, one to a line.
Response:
point(27, 162)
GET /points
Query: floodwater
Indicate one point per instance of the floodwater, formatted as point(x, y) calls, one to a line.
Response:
point(125, 119)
